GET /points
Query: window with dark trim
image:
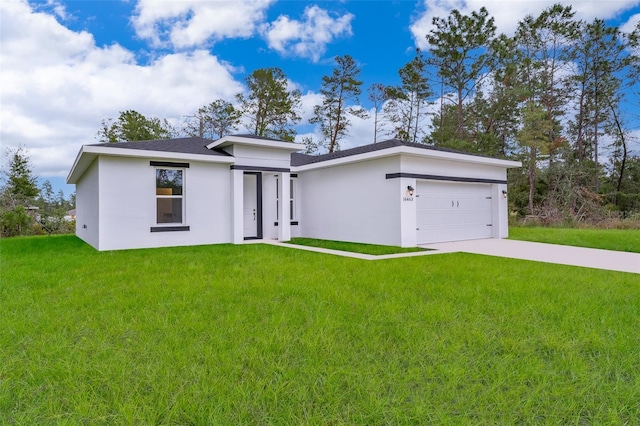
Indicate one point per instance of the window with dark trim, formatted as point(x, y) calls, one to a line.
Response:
point(292, 204)
point(292, 212)
point(169, 196)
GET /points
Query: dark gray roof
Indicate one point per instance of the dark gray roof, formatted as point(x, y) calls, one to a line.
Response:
point(252, 136)
point(304, 159)
point(182, 145)
point(195, 145)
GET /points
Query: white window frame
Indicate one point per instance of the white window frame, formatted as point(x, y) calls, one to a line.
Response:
point(293, 212)
point(293, 217)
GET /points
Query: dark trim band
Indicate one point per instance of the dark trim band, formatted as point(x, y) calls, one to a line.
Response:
point(293, 223)
point(169, 228)
point(168, 164)
point(294, 175)
point(260, 169)
point(446, 178)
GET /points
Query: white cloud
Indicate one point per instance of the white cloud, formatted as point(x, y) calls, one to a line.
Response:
point(631, 24)
point(57, 86)
point(306, 38)
point(360, 132)
point(193, 23)
point(56, 7)
point(508, 13)
point(308, 101)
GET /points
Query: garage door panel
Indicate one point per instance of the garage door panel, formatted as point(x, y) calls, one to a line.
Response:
point(461, 219)
point(436, 201)
point(450, 211)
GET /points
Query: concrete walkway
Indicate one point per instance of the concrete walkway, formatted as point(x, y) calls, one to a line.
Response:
point(525, 250)
point(352, 254)
point(550, 253)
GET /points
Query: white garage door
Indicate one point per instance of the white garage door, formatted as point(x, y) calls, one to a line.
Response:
point(452, 211)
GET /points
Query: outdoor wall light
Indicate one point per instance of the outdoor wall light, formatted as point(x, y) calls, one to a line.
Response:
point(410, 190)
point(504, 193)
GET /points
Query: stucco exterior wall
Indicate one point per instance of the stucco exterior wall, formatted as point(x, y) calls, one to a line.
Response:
point(500, 212)
point(128, 205)
point(259, 156)
point(87, 206)
point(351, 202)
point(441, 167)
point(356, 202)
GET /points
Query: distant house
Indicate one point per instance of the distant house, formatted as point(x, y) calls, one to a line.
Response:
point(70, 216)
point(34, 212)
point(192, 191)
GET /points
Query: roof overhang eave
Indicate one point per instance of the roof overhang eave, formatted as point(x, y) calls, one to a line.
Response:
point(417, 152)
point(88, 154)
point(265, 143)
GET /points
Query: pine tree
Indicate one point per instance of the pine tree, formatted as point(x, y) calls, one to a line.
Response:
point(545, 45)
point(459, 50)
point(534, 137)
point(407, 104)
point(341, 87)
point(598, 59)
point(377, 94)
point(21, 184)
point(17, 194)
point(270, 107)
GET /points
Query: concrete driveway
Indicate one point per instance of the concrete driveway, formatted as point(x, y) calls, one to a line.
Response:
point(550, 253)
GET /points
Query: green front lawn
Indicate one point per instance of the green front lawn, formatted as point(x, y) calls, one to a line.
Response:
point(373, 249)
point(259, 334)
point(608, 239)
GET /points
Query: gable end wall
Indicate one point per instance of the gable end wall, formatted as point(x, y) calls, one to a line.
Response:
point(88, 206)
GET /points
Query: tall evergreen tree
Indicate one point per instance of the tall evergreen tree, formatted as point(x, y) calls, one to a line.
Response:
point(494, 110)
point(377, 94)
point(459, 51)
point(546, 47)
point(633, 42)
point(338, 89)
point(620, 154)
point(17, 193)
point(408, 102)
point(270, 107)
point(21, 184)
point(598, 61)
point(534, 138)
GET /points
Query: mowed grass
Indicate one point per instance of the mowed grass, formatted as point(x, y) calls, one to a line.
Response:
point(372, 249)
point(608, 239)
point(257, 334)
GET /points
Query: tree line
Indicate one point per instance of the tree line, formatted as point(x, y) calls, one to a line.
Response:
point(549, 96)
point(270, 109)
point(25, 207)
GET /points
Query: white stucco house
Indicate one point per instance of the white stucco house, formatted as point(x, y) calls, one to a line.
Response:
point(193, 191)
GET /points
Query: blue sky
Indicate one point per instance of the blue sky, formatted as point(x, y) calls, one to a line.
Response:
point(67, 65)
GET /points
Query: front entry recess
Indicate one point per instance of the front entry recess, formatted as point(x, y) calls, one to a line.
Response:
point(252, 211)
